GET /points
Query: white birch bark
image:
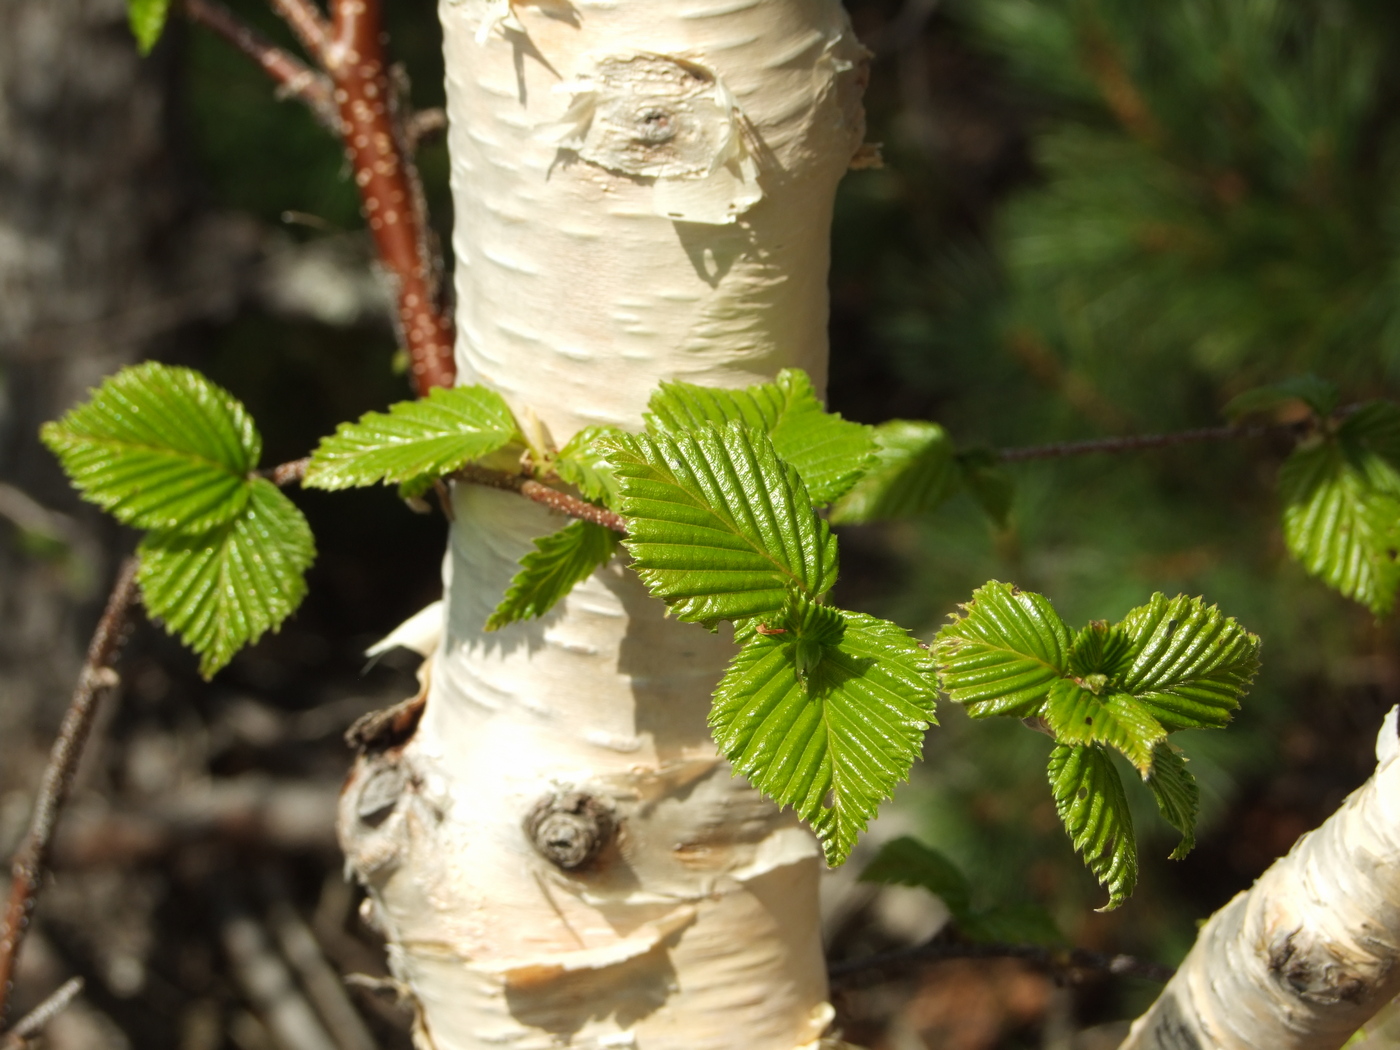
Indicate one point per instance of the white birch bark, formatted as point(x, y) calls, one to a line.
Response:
point(1302, 959)
point(643, 191)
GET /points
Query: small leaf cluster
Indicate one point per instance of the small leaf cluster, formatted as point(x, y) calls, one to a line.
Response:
point(906, 861)
point(1168, 665)
point(1340, 490)
point(225, 553)
point(415, 443)
point(822, 709)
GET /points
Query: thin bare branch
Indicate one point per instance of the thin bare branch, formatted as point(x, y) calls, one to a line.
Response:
point(285, 474)
point(1135, 442)
point(542, 494)
point(307, 22)
point(1054, 959)
point(295, 78)
point(94, 681)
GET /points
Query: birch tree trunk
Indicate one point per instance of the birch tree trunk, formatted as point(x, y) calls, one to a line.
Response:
point(1309, 953)
point(555, 852)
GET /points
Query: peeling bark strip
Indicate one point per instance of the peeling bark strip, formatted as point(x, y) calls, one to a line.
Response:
point(1306, 956)
point(389, 190)
point(643, 191)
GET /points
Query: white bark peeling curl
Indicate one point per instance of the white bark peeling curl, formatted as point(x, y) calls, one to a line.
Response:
point(1309, 953)
point(694, 926)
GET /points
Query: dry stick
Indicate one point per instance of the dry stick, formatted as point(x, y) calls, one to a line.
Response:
point(296, 79)
point(31, 1023)
point(324, 987)
point(94, 681)
point(1056, 959)
point(390, 191)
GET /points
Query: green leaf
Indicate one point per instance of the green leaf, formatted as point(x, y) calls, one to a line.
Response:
point(432, 436)
point(582, 463)
point(717, 525)
point(906, 861)
point(828, 452)
point(1341, 515)
point(1191, 665)
point(1318, 394)
point(1178, 797)
point(159, 447)
point(913, 472)
point(1077, 716)
point(147, 20)
point(835, 744)
point(1002, 654)
point(989, 484)
point(1090, 802)
point(1100, 649)
point(1012, 924)
point(549, 572)
point(224, 589)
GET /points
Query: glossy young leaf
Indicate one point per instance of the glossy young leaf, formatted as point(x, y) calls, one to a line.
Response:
point(717, 525)
point(559, 561)
point(159, 447)
point(1341, 515)
point(1003, 652)
point(147, 20)
point(912, 473)
point(1192, 664)
point(432, 436)
point(906, 861)
point(1078, 716)
point(1090, 802)
point(582, 463)
point(1100, 648)
point(1318, 394)
point(988, 483)
point(223, 589)
point(832, 744)
point(828, 452)
point(1178, 797)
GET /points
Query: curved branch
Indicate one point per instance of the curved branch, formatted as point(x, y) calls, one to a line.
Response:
point(94, 682)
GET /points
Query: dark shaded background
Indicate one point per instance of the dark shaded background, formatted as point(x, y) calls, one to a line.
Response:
point(1095, 218)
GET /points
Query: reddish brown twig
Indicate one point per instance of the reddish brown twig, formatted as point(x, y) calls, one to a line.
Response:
point(293, 471)
point(356, 98)
point(390, 193)
point(543, 494)
point(284, 474)
point(95, 680)
point(296, 79)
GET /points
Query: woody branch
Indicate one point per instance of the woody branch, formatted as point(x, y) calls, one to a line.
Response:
point(352, 94)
